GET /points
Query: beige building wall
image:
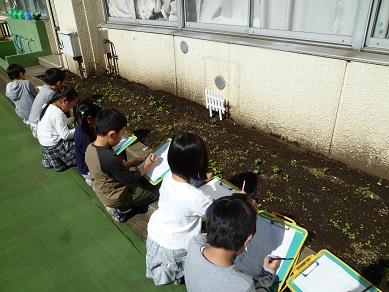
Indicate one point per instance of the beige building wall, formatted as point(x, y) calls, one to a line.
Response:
point(146, 58)
point(292, 95)
point(361, 136)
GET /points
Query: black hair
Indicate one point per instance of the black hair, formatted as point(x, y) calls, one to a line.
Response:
point(14, 70)
point(53, 75)
point(187, 157)
point(109, 120)
point(230, 221)
point(63, 92)
point(83, 109)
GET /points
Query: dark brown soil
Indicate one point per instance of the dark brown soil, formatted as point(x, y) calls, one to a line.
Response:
point(343, 209)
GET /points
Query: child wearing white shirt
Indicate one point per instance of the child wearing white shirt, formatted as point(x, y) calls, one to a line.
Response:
point(180, 208)
point(53, 133)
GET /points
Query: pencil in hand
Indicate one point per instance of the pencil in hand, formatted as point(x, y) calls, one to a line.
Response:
point(271, 259)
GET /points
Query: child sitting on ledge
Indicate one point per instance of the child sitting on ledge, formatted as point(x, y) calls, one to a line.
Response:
point(231, 223)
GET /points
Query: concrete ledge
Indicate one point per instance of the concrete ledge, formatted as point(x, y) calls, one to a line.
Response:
point(51, 61)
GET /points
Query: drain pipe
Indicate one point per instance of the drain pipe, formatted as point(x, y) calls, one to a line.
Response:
point(56, 29)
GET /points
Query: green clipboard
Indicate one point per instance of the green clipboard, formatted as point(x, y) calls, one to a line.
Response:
point(325, 272)
point(278, 235)
point(160, 168)
point(124, 143)
point(217, 188)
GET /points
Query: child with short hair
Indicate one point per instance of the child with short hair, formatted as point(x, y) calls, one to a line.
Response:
point(118, 188)
point(20, 91)
point(231, 224)
point(179, 212)
point(85, 112)
point(54, 79)
point(53, 133)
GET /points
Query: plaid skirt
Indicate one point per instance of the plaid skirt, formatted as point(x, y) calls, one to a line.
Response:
point(164, 265)
point(61, 156)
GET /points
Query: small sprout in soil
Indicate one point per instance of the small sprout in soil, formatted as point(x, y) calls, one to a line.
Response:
point(247, 151)
point(325, 169)
point(160, 109)
point(258, 149)
point(257, 163)
point(323, 188)
point(217, 171)
point(276, 169)
point(152, 103)
point(293, 162)
point(316, 172)
point(214, 150)
point(304, 208)
point(316, 200)
point(367, 193)
point(274, 155)
point(286, 177)
point(271, 195)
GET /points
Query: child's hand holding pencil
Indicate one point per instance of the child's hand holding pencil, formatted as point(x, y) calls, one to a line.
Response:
point(271, 262)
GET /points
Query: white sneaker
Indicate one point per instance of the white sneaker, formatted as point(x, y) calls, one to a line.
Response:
point(89, 182)
point(26, 122)
point(116, 214)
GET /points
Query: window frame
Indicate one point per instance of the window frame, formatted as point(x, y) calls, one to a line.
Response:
point(359, 41)
point(371, 42)
point(135, 21)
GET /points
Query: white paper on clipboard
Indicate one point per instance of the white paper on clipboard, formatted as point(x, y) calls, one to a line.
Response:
point(161, 166)
point(216, 189)
point(270, 238)
point(325, 275)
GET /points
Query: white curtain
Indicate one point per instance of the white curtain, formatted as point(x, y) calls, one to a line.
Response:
point(146, 9)
point(315, 16)
point(231, 12)
point(121, 8)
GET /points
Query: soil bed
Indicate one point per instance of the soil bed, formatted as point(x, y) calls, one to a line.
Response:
point(344, 210)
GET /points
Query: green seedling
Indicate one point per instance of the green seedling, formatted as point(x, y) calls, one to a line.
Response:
point(276, 169)
point(257, 163)
point(286, 177)
point(367, 193)
point(217, 171)
point(214, 150)
point(293, 162)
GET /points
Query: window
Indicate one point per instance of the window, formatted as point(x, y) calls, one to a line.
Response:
point(331, 17)
point(3, 7)
point(27, 5)
point(354, 24)
point(229, 13)
point(143, 11)
point(378, 30)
